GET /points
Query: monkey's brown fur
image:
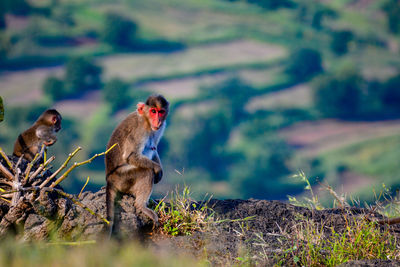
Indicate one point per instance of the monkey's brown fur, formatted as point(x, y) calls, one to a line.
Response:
point(134, 165)
point(41, 132)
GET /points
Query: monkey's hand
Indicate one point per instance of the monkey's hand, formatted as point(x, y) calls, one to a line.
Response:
point(49, 142)
point(157, 177)
point(158, 173)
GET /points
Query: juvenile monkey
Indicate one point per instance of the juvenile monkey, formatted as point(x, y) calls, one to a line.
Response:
point(41, 132)
point(134, 165)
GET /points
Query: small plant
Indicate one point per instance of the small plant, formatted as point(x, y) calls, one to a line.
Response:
point(313, 202)
point(387, 204)
point(181, 215)
point(317, 245)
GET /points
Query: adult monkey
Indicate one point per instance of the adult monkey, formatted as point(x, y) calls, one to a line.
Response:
point(42, 132)
point(133, 166)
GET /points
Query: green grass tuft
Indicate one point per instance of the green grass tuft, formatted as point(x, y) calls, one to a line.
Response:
point(181, 215)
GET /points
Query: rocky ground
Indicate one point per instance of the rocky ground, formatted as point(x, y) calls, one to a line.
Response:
point(256, 231)
point(258, 228)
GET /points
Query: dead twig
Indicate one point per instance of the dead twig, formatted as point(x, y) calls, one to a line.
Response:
point(6, 158)
point(36, 173)
point(76, 164)
point(87, 181)
point(6, 172)
point(70, 156)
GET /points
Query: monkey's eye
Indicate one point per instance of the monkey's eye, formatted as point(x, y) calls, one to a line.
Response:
point(161, 111)
point(153, 110)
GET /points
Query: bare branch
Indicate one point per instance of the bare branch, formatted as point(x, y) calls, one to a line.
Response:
point(87, 181)
point(70, 156)
point(77, 202)
point(76, 164)
point(42, 166)
point(6, 172)
point(35, 159)
point(6, 158)
point(17, 164)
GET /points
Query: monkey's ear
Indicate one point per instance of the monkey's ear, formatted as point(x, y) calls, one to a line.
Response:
point(54, 119)
point(140, 107)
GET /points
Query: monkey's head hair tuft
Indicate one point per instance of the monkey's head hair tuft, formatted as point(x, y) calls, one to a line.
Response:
point(53, 112)
point(157, 100)
point(51, 117)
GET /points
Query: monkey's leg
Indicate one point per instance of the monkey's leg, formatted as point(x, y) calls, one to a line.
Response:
point(142, 190)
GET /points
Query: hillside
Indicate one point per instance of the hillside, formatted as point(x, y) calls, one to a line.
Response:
point(243, 119)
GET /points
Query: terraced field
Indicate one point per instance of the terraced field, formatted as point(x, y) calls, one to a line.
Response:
point(23, 87)
point(316, 138)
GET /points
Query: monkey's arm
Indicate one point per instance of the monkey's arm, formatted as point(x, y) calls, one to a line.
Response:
point(45, 134)
point(140, 161)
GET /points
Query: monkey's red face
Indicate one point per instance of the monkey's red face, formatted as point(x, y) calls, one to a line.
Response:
point(155, 115)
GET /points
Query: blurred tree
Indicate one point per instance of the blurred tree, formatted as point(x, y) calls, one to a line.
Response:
point(119, 31)
point(272, 4)
point(116, 94)
point(257, 174)
point(314, 12)
point(22, 117)
point(392, 11)
point(320, 14)
point(232, 95)
point(81, 75)
point(340, 42)
point(206, 146)
point(1, 109)
point(201, 142)
point(54, 87)
point(391, 95)
point(304, 64)
point(339, 95)
point(2, 15)
point(5, 46)
point(98, 142)
point(372, 106)
point(17, 7)
point(63, 14)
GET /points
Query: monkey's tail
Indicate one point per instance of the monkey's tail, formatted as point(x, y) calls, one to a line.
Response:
point(110, 204)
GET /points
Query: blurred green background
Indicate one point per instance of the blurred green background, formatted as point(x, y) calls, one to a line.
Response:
point(258, 89)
